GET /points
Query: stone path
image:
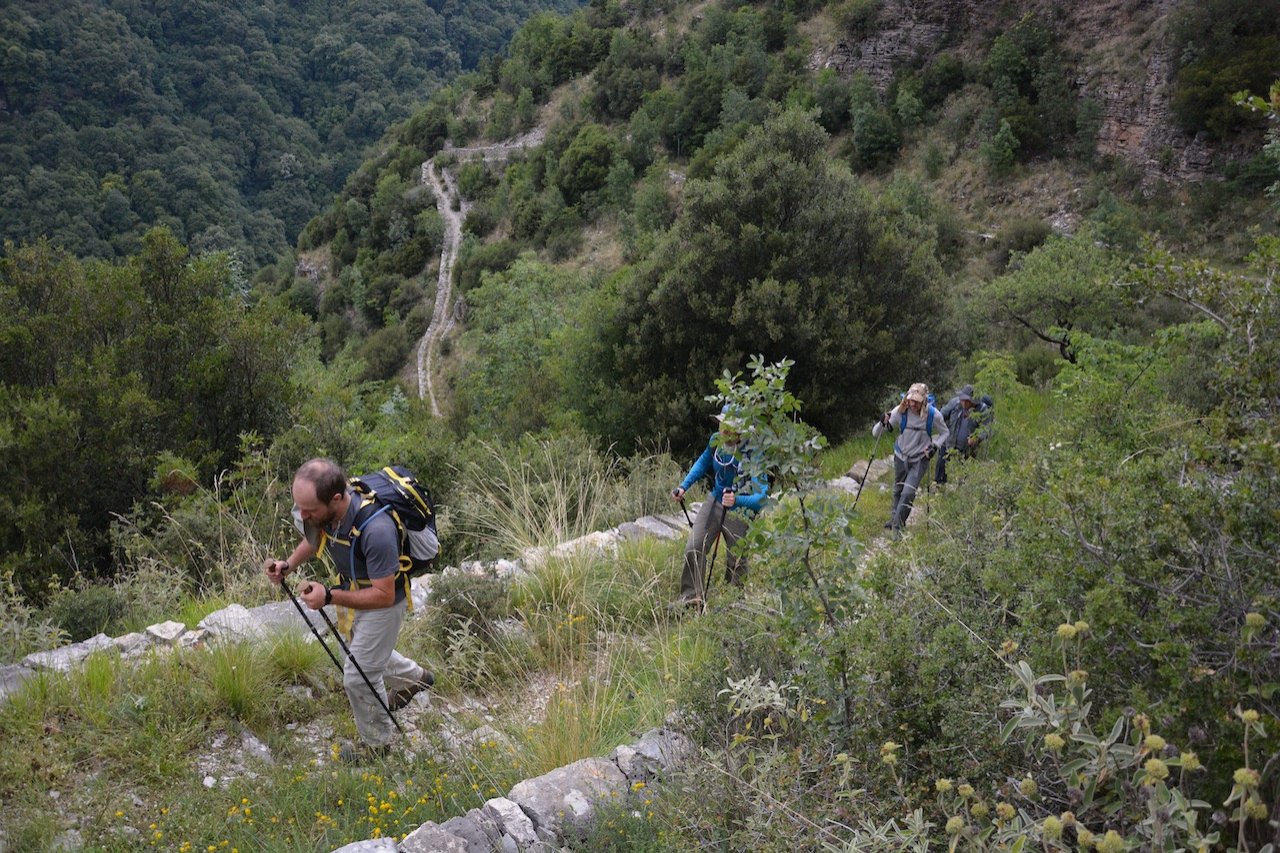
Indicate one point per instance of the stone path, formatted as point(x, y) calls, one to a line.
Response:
point(444, 186)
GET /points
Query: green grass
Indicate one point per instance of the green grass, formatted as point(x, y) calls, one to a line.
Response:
point(835, 461)
point(118, 738)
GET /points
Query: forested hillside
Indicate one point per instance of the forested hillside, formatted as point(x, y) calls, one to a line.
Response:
point(849, 185)
point(231, 123)
point(873, 192)
point(791, 208)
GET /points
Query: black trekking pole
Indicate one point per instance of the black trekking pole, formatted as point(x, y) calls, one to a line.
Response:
point(686, 511)
point(312, 626)
point(928, 492)
point(866, 475)
point(333, 629)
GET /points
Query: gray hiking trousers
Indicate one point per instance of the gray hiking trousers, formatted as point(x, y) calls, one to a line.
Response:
point(907, 477)
point(710, 520)
point(372, 643)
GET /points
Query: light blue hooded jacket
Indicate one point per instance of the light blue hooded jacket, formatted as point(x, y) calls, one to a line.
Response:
point(726, 471)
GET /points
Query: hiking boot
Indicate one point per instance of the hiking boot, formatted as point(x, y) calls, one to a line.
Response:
point(363, 753)
point(401, 697)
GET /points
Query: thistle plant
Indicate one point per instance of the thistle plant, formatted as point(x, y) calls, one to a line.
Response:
point(1125, 789)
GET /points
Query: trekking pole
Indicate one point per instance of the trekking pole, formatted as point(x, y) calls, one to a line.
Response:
point(683, 507)
point(928, 494)
point(866, 475)
point(312, 626)
point(333, 629)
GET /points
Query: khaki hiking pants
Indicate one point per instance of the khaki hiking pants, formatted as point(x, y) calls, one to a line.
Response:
point(372, 643)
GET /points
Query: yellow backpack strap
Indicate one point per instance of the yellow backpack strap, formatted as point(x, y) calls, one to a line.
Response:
point(406, 488)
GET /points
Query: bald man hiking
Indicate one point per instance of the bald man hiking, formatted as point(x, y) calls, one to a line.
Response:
point(364, 546)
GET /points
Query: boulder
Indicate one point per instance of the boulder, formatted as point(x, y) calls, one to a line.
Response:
point(234, 623)
point(432, 838)
point(845, 484)
point(479, 832)
point(283, 616)
point(12, 677)
point(658, 752)
point(564, 800)
point(65, 658)
point(373, 845)
point(132, 643)
point(657, 526)
point(166, 633)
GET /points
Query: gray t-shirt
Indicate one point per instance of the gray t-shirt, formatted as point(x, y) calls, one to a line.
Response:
point(379, 544)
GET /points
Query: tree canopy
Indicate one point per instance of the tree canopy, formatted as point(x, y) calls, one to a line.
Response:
point(231, 123)
point(782, 253)
point(105, 366)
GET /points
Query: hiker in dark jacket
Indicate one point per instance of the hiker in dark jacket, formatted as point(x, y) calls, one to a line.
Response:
point(733, 499)
point(371, 603)
point(921, 432)
point(969, 422)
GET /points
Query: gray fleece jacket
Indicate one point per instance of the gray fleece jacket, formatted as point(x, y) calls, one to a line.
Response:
point(914, 441)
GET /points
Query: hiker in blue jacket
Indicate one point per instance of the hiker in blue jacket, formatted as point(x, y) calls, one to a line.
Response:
point(922, 431)
point(734, 498)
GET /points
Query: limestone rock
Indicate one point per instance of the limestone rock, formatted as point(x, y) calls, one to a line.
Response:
point(65, 658)
point(166, 633)
point(845, 484)
point(565, 798)
point(432, 838)
point(132, 643)
point(236, 622)
point(479, 832)
point(373, 845)
point(12, 677)
point(658, 752)
point(510, 820)
point(661, 527)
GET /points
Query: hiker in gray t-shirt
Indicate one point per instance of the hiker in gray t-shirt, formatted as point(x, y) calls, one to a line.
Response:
point(921, 432)
point(371, 603)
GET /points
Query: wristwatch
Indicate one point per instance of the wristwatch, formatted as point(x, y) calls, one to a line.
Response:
point(328, 595)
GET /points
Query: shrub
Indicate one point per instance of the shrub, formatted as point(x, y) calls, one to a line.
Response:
point(465, 599)
point(87, 611)
point(22, 629)
point(1018, 237)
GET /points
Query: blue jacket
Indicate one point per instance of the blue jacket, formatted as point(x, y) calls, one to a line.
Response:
point(726, 471)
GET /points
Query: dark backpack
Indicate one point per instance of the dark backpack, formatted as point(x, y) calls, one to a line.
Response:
point(396, 491)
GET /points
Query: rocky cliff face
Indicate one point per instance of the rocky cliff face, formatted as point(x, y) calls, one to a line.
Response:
point(1119, 52)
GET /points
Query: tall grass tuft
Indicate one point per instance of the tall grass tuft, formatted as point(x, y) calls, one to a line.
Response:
point(240, 682)
point(550, 491)
point(296, 658)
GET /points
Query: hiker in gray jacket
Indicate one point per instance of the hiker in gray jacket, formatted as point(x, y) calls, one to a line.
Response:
point(969, 422)
point(922, 431)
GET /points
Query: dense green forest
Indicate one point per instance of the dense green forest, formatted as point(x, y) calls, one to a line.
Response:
point(230, 123)
point(1073, 649)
